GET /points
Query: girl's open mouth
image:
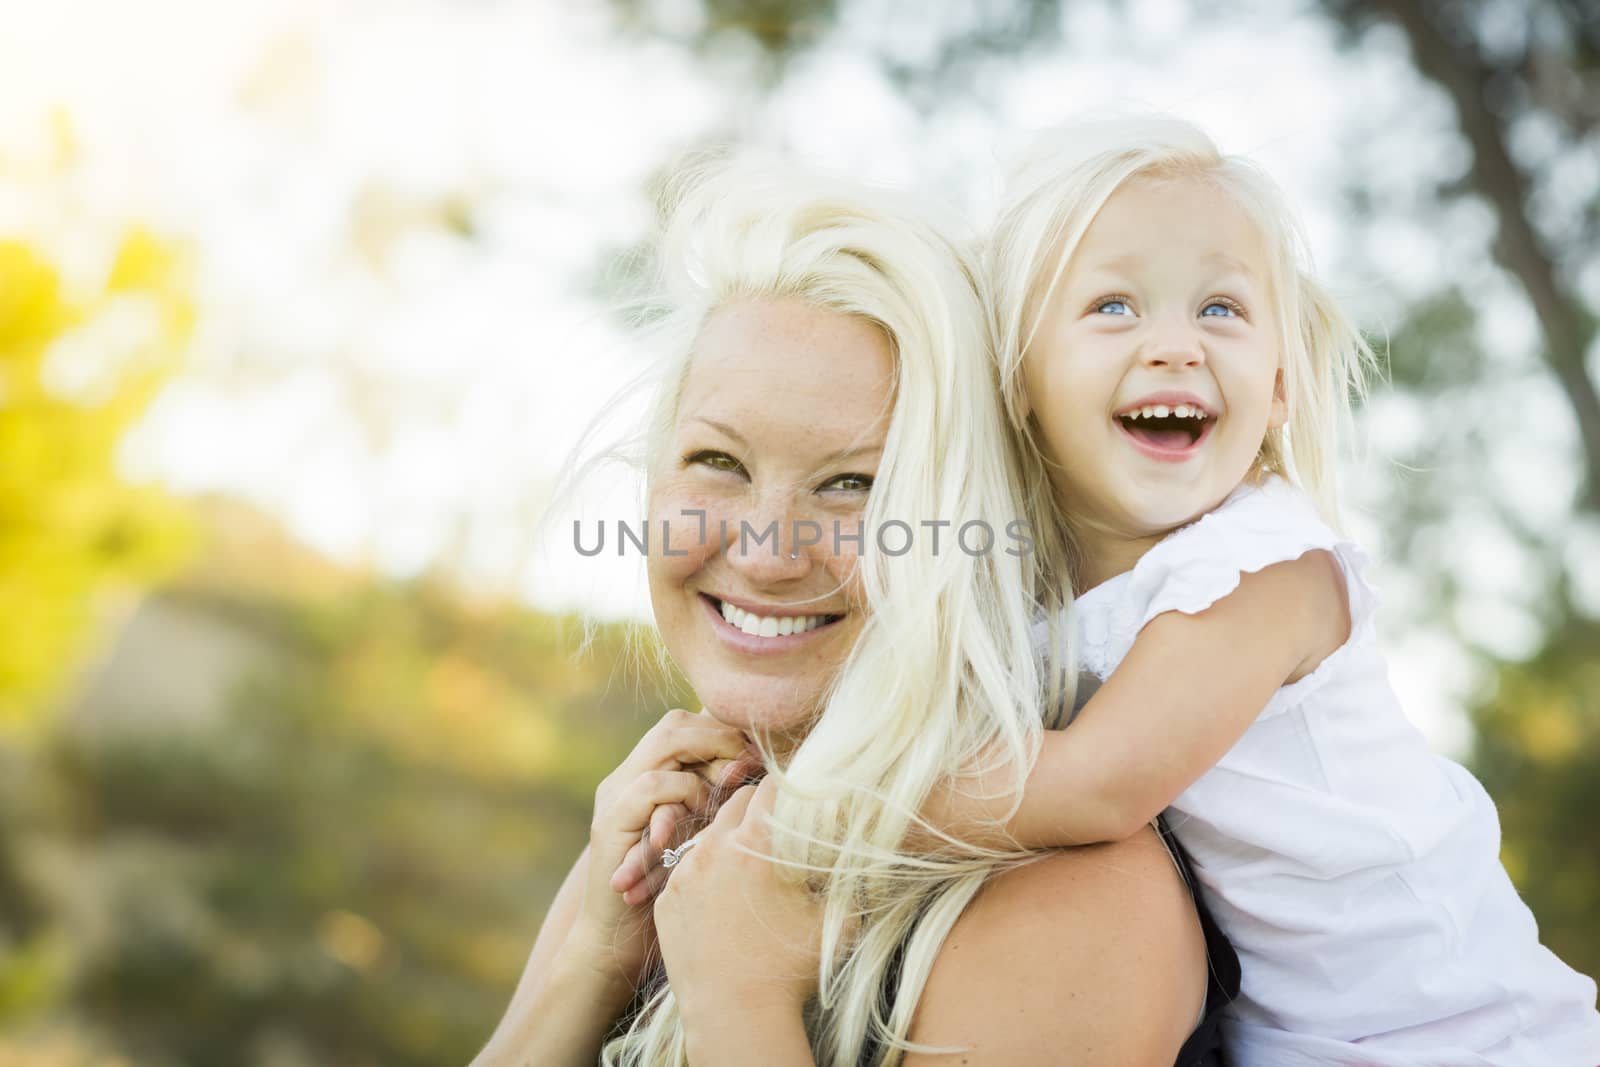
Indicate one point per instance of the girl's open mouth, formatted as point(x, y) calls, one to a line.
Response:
point(1168, 436)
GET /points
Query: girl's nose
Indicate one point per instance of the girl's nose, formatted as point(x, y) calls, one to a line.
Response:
point(1173, 345)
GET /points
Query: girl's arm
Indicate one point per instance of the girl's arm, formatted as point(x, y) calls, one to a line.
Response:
point(1184, 695)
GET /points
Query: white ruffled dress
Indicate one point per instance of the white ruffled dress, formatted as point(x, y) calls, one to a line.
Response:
point(1356, 872)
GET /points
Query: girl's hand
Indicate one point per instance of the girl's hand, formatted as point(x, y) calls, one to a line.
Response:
point(740, 935)
point(657, 774)
point(969, 807)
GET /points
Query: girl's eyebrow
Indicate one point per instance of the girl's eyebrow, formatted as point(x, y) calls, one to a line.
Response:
point(1117, 264)
point(1233, 263)
point(1129, 261)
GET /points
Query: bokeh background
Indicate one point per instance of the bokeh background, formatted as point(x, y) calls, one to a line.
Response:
point(302, 303)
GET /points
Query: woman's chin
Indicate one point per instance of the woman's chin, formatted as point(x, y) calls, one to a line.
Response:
point(760, 711)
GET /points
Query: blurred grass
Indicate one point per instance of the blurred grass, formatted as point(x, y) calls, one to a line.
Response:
point(345, 861)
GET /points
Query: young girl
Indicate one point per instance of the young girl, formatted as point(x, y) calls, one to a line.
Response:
point(1179, 381)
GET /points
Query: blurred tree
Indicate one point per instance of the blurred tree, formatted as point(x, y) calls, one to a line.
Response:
point(345, 860)
point(1538, 751)
point(75, 373)
point(1510, 70)
point(1524, 83)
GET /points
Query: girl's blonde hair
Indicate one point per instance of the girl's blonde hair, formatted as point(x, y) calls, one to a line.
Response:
point(1055, 194)
point(943, 674)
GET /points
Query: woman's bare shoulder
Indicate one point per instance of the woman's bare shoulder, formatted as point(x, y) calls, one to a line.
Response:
point(1089, 955)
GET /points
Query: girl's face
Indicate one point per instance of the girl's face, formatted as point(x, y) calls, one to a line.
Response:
point(1154, 376)
point(780, 427)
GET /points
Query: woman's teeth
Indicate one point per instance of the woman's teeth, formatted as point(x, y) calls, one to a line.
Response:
point(769, 626)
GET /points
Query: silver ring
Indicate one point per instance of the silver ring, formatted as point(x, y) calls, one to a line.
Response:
point(673, 856)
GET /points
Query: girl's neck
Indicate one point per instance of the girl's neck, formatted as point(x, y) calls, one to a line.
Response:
point(1106, 557)
point(1104, 553)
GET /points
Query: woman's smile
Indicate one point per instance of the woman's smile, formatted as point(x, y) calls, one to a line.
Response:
point(763, 631)
point(783, 416)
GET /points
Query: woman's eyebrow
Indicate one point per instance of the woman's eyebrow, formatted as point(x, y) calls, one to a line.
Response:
point(852, 453)
point(833, 457)
point(722, 428)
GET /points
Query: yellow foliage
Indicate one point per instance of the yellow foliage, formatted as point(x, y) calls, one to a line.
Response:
point(1551, 732)
point(31, 977)
point(69, 526)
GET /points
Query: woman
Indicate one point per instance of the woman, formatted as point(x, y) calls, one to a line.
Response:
point(828, 342)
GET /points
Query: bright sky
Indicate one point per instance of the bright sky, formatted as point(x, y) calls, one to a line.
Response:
point(397, 393)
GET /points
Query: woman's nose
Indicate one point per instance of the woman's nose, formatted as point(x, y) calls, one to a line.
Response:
point(774, 544)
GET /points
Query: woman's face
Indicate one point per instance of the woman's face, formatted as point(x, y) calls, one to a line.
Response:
point(779, 432)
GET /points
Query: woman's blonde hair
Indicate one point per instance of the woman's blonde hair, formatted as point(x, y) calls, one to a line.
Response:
point(1054, 195)
point(943, 674)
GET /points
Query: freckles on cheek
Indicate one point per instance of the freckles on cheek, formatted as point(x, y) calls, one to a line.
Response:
point(845, 571)
point(685, 514)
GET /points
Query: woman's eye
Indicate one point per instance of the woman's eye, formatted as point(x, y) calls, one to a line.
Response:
point(850, 483)
point(1220, 309)
point(1114, 305)
point(717, 461)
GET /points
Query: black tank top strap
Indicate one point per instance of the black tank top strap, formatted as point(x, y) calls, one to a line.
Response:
point(1204, 1047)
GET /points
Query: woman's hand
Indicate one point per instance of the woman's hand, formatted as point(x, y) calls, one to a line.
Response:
point(665, 772)
point(640, 874)
point(740, 935)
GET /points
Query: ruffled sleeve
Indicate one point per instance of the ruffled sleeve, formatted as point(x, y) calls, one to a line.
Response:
point(1198, 565)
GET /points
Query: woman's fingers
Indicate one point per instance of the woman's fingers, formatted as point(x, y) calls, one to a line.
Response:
point(647, 888)
point(666, 821)
point(634, 866)
point(682, 738)
point(663, 821)
point(717, 771)
point(628, 815)
point(643, 856)
point(732, 812)
point(737, 772)
point(765, 796)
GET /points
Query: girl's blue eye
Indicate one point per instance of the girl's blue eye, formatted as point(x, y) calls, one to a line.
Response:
point(1217, 309)
point(1113, 307)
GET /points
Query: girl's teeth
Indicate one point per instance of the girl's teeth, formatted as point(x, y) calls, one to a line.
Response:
point(769, 626)
point(1161, 411)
